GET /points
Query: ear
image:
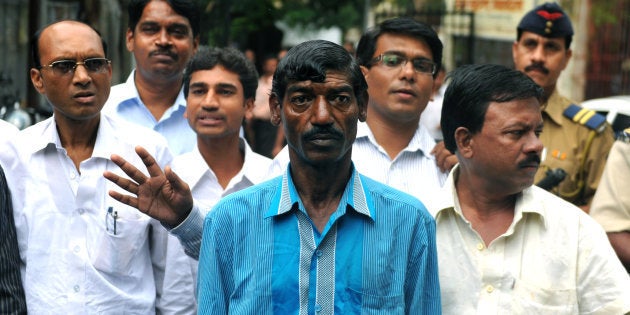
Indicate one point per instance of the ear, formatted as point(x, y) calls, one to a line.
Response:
point(129, 38)
point(514, 49)
point(362, 102)
point(195, 44)
point(569, 54)
point(276, 110)
point(365, 71)
point(38, 82)
point(464, 142)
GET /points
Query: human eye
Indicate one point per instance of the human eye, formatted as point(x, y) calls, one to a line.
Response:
point(300, 100)
point(530, 43)
point(149, 28)
point(340, 99)
point(63, 66)
point(95, 64)
point(179, 31)
point(392, 60)
point(197, 91)
point(424, 66)
point(226, 92)
point(552, 47)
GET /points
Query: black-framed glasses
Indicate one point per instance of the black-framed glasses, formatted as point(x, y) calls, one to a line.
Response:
point(395, 61)
point(63, 67)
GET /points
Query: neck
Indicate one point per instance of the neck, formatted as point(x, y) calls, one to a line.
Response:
point(223, 156)
point(158, 95)
point(393, 136)
point(320, 187)
point(489, 213)
point(77, 137)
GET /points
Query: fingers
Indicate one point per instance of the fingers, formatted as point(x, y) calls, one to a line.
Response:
point(128, 200)
point(176, 182)
point(131, 171)
point(444, 159)
point(148, 160)
point(121, 182)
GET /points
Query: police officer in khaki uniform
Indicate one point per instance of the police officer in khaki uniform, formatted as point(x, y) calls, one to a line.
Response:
point(576, 140)
point(611, 204)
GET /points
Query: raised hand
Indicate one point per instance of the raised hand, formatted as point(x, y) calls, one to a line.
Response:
point(163, 196)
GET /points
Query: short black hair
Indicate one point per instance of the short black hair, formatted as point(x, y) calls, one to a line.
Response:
point(402, 26)
point(311, 60)
point(471, 90)
point(37, 63)
point(231, 59)
point(185, 8)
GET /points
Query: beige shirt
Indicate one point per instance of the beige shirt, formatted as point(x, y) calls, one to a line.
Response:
point(611, 204)
point(553, 259)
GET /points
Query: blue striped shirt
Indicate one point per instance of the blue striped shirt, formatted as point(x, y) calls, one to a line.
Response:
point(261, 254)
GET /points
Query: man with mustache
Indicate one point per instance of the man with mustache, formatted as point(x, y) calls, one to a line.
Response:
point(81, 252)
point(505, 246)
point(163, 36)
point(576, 140)
point(321, 238)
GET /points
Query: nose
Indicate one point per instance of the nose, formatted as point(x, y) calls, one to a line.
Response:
point(321, 111)
point(163, 38)
point(210, 101)
point(81, 75)
point(533, 144)
point(407, 72)
point(538, 54)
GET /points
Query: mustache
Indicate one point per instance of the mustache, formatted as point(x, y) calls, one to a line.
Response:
point(529, 160)
point(318, 131)
point(537, 66)
point(164, 52)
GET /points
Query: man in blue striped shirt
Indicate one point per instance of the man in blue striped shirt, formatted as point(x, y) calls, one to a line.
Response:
point(321, 238)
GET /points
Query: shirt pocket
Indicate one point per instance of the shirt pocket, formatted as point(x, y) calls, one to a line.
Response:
point(119, 241)
point(376, 304)
point(531, 299)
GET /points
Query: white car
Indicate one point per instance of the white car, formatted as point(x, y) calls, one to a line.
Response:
point(615, 108)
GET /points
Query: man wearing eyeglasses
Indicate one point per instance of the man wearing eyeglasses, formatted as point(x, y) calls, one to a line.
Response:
point(81, 251)
point(400, 59)
point(163, 36)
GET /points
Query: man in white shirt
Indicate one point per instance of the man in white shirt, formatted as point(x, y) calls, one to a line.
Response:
point(505, 246)
point(220, 86)
point(400, 59)
point(81, 251)
point(7, 130)
point(163, 36)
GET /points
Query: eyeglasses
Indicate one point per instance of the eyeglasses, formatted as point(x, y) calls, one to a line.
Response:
point(63, 67)
point(393, 61)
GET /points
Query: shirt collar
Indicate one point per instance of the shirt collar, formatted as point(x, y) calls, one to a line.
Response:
point(131, 94)
point(107, 140)
point(354, 197)
point(421, 140)
point(447, 201)
point(553, 107)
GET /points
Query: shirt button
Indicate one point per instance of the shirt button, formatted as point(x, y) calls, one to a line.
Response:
point(480, 246)
point(489, 289)
point(318, 253)
point(77, 249)
point(72, 175)
point(77, 288)
point(318, 308)
point(80, 210)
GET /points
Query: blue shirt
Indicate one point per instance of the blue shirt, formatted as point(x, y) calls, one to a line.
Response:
point(124, 103)
point(261, 253)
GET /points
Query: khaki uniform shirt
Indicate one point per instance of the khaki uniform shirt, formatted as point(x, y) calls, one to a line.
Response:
point(611, 204)
point(565, 142)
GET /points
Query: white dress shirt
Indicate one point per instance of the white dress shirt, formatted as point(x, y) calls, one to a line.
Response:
point(76, 256)
point(180, 282)
point(7, 131)
point(124, 103)
point(553, 259)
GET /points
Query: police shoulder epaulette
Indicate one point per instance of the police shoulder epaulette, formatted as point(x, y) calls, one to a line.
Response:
point(624, 136)
point(586, 117)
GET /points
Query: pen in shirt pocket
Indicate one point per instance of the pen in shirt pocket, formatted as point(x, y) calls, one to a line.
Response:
point(111, 218)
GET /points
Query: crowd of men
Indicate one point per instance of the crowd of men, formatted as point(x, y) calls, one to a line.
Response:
point(147, 198)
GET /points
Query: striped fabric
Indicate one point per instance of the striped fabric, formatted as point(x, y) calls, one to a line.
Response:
point(12, 299)
point(261, 254)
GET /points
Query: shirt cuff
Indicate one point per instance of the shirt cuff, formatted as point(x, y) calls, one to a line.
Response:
point(190, 232)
